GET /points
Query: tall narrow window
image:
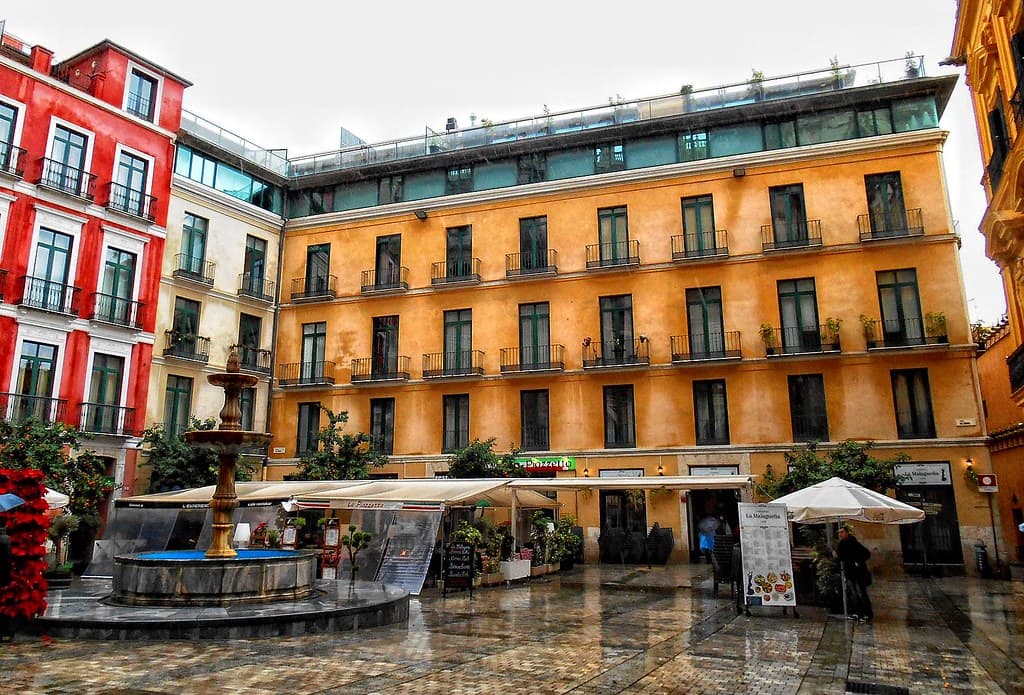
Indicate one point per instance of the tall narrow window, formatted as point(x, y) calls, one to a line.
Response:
point(36, 369)
point(458, 341)
point(710, 412)
point(66, 168)
point(128, 190)
point(456, 423)
point(704, 320)
point(798, 308)
point(901, 307)
point(318, 268)
point(534, 335)
point(314, 350)
point(308, 428)
point(384, 361)
point(459, 252)
point(49, 287)
point(247, 406)
point(254, 266)
point(193, 244)
point(609, 157)
point(807, 408)
point(459, 180)
point(533, 244)
point(885, 204)
point(250, 334)
point(912, 399)
point(114, 302)
point(8, 120)
point(1000, 141)
point(102, 413)
point(613, 235)
point(617, 329)
point(185, 327)
point(533, 408)
point(389, 261)
point(141, 95)
point(699, 226)
point(789, 216)
point(619, 420)
point(177, 405)
point(382, 425)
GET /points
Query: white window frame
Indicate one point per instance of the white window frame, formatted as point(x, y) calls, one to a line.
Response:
point(57, 221)
point(150, 163)
point(19, 124)
point(40, 334)
point(115, 348)
point(123, 241)
point(157, 96)
point(90, 141)
point(5, 209)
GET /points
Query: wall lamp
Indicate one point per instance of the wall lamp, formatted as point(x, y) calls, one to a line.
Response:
point(970, 465)
point(586, 472)
point(421, 215)
point(586, 342)
point(739, 171)
point(661, 469)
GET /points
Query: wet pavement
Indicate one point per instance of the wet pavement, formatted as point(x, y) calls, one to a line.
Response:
point(593, 630)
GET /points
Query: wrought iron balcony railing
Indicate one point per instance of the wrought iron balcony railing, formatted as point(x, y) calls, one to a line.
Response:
point(305, 374)
point(702, 245)
point(186, 346)
point(798, 340)
point(253, 359)
point(140, 105)
point(810, 428)
point(613, 254)
point(698, 347)
point(454, 363)
point(1017, 103)
point(898, 223)
point(796, 235)
point(194, 268)
point(380, 368)
point(532, 358)
point(12, 160)
point(100, 418)
point(448, 272)
point(131, 202)
point(393, 280)
point(116, 310)
point(615, 353)
point(315, 287)
point(255, 286)
point(19, 407)
point(536, 438)
point(542, 262)
point(67, 179)
point(907, 332)
point(48, 295)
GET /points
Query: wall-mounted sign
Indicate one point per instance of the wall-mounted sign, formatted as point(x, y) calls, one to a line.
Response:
point(714, 470)
point(621, 473)
point(277, 450)
point(539, 464)
point(923, 473)
point(987, 482)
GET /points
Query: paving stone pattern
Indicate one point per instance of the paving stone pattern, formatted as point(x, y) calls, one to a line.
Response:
point(595, 630)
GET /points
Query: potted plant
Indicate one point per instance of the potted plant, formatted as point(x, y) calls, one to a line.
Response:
point(831, 336)
point(58, 575)
point(935, 324)
point(565, 543)
point(354, 541)
point(767, 333)
point(869, 325)
point(756, 84)
point(912, 65)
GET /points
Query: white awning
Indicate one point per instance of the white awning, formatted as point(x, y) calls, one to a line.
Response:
point(650, 482)
point(492, 492)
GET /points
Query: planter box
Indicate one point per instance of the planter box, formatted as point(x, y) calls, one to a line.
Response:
point(538, 570)
point(492, 579)
point(512, 570)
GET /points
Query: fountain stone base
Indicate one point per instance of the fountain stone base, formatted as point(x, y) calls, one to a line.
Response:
point(187, 578)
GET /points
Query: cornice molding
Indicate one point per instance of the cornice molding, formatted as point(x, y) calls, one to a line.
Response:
point(204, 195)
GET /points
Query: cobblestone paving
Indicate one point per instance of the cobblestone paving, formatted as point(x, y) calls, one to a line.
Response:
point(596, 630)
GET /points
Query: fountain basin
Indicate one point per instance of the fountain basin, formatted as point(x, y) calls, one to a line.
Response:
point(188, 578)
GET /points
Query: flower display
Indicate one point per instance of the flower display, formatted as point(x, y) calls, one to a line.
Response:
point(24, 597)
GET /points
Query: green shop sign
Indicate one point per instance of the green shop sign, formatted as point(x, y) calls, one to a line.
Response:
point(547, 463)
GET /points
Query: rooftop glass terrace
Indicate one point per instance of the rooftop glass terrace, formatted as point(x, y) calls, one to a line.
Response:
point(272, 160)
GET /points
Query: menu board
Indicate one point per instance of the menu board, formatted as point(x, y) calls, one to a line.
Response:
point(767, 560)
point(458, 571)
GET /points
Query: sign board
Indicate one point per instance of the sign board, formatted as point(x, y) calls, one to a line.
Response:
point(714, 470)
point(458, 567)
point(987, 482)
point(621, 473)
point(923, 473)
point(539, 464)
point(767, 560)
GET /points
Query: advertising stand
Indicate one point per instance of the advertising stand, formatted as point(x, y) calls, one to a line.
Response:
point(458, 570)
point(767, 576)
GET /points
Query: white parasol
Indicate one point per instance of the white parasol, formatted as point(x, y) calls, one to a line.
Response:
point(56, 500)
point(838, 499)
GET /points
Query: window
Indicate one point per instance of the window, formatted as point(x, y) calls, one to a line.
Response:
point(193, 244)
point(533, 244)
point(798, 308)
point(141, 95)
point(382, 425)
point(229, 180)
point(177, 405)
point(609, 157)
point(65, 169)
point(789, 218)
point(114, 302)
point(532, 168)
point(314, 350)
point(458, 341)
point(699, 226)
point(807, 408)
point(874, 122)
point(318, 269)
point(8, 121)
point(533, 410)
point(619, 423)
point(534, 336)
point(36, 376)
point(128, 189)
point(704, 321)
point(779, 135)
point(247, 406)
point(254, 266)
point(617, 329)
point(613, 235)
point(901, 307)
point(1000, 142)
point(48, 288)
point(308, 428)
point(710, 412)
point(456, 423)
point(102, 413)
point(185, 327)
point(250, 331)
point(384, 361)
point(459, 180)
point(459, 252)
point(389, 261)
point(912, 400)
point(390, 189)
point(886, 209)
point(693, 145)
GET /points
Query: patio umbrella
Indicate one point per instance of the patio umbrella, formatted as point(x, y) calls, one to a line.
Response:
point(56, 500)
point(9, 501)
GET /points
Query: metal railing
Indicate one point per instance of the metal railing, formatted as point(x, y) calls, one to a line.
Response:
point(194, 268)
point(394, 279)
point(48, 295)
point(696, 347)
point(796, 235)
point(305, 373)
point(254, 285)
point(527, 264)
point(796, 340)
point(116, 310)
point(100, 418)
point(131, 202)
point(186, 346)
point(140, 106)
point(273, 160)
point(315, 287)
point(19, 407)
point(810, 428)
point(67, 179)
point(900, 223)
point(907, 332)
point(380, 368)
point(536, 438)
point(532, 358)
point(12, 159)
point(445, 272)
point(454, 363)
point(615, 353)
point(613, 254)
point(702, 245)
point(254, 359)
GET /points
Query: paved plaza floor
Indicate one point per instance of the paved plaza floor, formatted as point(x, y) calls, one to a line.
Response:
point(593, 630)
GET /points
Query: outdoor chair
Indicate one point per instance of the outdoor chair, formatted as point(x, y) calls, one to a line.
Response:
point(721, 561)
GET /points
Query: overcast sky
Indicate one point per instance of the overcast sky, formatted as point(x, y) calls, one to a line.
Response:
point(290, 76)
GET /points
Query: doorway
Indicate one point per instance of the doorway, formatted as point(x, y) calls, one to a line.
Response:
point(718, 504)
point(936, 540)
point(623, 526)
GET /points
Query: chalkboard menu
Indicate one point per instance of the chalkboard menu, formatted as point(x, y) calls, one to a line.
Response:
point(458, 570)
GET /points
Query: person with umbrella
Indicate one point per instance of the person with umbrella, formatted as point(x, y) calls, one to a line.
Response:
point(853, 557)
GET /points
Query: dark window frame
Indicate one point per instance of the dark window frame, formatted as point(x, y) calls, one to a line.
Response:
point(535, 419)
point(455, 422)
point(619, 416)
point(710, 412)
point(808, 407)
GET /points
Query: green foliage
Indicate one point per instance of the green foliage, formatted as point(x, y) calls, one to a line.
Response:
point(177, 465)
point(849, 461)
point(354, 541)
point(563, 543)
point(478, 460)
point(465, 533)
point(540, 534)
point(338, 456)
point(62, 526)
point(827, 577)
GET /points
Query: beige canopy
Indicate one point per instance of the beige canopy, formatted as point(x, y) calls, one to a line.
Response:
point(650, 482)
point(493, 492)
point(247, 492)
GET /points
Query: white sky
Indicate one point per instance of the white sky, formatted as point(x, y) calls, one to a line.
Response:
point(289, 77)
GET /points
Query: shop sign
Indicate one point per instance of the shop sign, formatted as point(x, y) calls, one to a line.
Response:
point(714, 470)
point(621, 473)
point(987, 482)
point(540, 464)
point(361, 504)
point(923, 473)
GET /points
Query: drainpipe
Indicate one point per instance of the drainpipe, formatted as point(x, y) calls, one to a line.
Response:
point(277, 313)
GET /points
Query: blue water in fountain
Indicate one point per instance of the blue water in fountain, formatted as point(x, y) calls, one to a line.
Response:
point(243, 554)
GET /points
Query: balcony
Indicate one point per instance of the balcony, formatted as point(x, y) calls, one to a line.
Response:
point(454, 272)
point(614, 254)
point(67, 179)
point(902, 223)
point(395, 280)
point(1017, 103)
point(994, 170)
point(1015, 365)
point(253, 285)
point(186, 346)
point(116, 310)
point(253, 359)
point(687, 247)
point(518, 265)
point(456, 363)
point(797, 340)
point(536, 438)
point(315, 288)
point(47, 295)
point(19, 407)
point(615, 353)
point(380, 369)
point(131, 202)
point(799, 235)
point(305, 374)
point(12, 160)
point(907, 332)
point(700, 347)
point(194, 268)
point(810, 428)
point(99, 418)
point(532, 358)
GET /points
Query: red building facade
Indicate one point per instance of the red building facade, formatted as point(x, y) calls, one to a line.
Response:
point(86, 154)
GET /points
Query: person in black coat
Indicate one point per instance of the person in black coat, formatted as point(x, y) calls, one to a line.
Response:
point(854, 557)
